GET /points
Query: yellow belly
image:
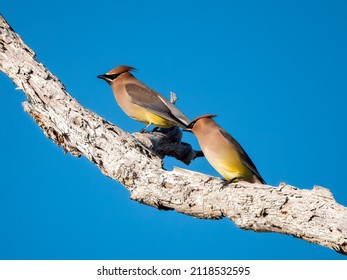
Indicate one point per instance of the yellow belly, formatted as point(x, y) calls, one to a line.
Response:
point(143, 115)
point(230, 166)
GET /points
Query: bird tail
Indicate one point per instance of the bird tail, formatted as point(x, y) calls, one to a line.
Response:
point(258, 179)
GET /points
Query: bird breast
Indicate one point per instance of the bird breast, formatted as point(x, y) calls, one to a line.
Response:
point(222, 155)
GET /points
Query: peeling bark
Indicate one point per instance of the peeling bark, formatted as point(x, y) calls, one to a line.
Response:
point(135, 160)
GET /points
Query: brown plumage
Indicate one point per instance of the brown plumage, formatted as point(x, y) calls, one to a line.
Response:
point(223, 152)
point(142, 103)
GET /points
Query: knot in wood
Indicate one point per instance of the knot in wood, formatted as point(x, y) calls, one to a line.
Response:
point(25, 71)
point(77, 121)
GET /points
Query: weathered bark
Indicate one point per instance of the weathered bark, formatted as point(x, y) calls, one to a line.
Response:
point(136, 162)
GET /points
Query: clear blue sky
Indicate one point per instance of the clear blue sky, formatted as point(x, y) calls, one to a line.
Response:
point(273, 71)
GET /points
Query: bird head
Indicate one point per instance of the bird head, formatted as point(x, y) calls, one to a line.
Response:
point(191, 125)
point(115, 73)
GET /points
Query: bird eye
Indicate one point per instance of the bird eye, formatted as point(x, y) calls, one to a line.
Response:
point(112, 76)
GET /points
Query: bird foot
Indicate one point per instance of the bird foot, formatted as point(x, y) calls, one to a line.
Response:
point(230, 181)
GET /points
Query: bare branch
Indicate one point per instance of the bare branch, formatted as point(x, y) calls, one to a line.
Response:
point(136, 162)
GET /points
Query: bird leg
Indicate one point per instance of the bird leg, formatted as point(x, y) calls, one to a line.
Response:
point(144, 129)
point(230, 181)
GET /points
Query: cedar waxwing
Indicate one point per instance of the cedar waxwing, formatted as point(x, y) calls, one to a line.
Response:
point(142, 103)
point(223, 152)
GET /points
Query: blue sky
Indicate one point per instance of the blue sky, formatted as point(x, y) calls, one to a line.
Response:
point(273, 71)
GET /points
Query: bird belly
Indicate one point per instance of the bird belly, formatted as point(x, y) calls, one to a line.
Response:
point(158, 121)
point(228, 165)
point(145, 116)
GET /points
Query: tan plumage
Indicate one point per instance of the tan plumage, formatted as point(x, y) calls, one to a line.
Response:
point(223, 152)
point(140, 102)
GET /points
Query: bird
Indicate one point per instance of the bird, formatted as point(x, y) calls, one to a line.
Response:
point(142, 103)
point(223, 152)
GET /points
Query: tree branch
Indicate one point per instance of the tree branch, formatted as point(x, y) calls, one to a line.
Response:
point(135, 160)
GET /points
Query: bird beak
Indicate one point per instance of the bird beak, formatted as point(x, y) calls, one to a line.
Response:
point(103, 77)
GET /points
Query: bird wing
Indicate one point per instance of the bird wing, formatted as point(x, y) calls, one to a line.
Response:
point(156, 103)
point(244, 156)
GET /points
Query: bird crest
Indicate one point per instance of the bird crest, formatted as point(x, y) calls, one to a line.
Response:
point(121, 69)
point(191, 124)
